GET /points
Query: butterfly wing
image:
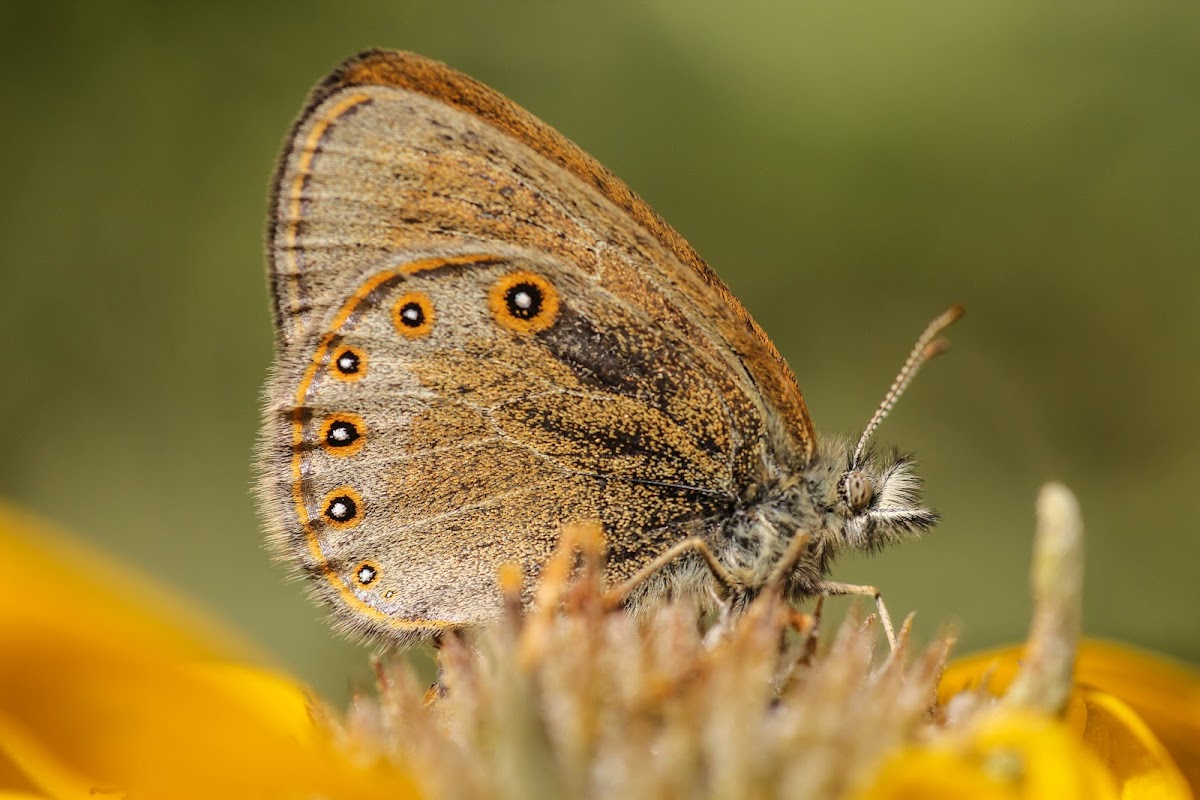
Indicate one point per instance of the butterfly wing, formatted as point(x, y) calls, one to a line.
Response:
point(482, 336)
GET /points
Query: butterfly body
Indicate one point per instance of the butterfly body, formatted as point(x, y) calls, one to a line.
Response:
point(484, 337)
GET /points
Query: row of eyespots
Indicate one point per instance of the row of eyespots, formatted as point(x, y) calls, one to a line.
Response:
point(521, 301)
point(343, 434)
point(344, 509)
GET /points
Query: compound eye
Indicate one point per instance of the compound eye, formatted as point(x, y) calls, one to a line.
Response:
point(857, 490)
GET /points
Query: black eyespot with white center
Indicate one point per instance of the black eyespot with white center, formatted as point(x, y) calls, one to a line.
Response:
point(366, 573)
point(342, 508)
point(524, 301)
point(341, 433)
point(348, 362)
point(412, 315)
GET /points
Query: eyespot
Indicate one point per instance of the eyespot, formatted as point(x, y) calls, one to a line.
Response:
point(412, 314)
point(366, 573)
point(856, 490)
point(343, 434)
point(524, 302)
point(343, 507)
point(348, 364)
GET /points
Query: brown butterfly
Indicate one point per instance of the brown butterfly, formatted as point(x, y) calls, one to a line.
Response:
point(483, 337)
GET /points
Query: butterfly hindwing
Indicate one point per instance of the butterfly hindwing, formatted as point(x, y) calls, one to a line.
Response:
point(483, 336)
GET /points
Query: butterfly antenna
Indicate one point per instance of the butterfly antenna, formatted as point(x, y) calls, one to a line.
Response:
point(927, 346)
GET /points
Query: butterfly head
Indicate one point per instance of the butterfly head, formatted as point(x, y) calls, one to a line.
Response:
point(878, 499)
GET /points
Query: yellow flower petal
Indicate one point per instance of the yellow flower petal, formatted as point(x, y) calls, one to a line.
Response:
point(37, 766)
point(933, 774)
point(1007, 755)
point(12, 778)
point(102, 688)
point(1163, 693)
point(57, 585)
point(1123, 741)
point(1052, 762)
point(1139, 713)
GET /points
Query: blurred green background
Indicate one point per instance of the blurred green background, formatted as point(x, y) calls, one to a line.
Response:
point(848, 168)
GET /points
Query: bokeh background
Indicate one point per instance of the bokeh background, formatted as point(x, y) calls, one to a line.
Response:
point(848, 168)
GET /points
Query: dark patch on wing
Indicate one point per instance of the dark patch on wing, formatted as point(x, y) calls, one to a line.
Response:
point(624, 361)
point(601, 359)
point(612, 435)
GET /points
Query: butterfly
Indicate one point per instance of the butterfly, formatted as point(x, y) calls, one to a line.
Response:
point(483, 337)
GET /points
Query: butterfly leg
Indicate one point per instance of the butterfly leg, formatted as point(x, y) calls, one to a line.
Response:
point(788, 561)
point(727, 580)
point(834, 589)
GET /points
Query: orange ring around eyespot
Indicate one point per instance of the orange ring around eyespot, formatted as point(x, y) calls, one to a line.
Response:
point(352, 447)
point(403, 326)
point(546, 313)
point(355, 499)
point(335, 369)
point(371, 565)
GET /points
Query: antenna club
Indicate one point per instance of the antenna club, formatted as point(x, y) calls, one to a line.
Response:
point(935, 348)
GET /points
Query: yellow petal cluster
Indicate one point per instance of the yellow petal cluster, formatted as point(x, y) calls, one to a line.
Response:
point(1008, 755)
point(110, 687)
point(1136, 714)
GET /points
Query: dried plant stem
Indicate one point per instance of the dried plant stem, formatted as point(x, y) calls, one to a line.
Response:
point(1044, 679)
